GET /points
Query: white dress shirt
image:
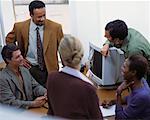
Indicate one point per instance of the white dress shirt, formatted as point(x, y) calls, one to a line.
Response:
point(32, 48)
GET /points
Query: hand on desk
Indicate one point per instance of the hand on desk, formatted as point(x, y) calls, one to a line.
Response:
point(45, 105)
point(39, 101)
point(107, 104)
point(45, 95)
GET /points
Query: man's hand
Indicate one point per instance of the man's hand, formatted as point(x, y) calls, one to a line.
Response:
point(45, 95)
point(124, 85)
point(26, 63)
point(105, 50)
point(39, 102)
point(107, 104)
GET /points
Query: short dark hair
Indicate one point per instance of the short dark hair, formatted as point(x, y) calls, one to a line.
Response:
point(35, 5)
point(139, 64)
point(7, 51)
point(117, 29)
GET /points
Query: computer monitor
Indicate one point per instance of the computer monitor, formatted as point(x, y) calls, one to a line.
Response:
point(105, 71)
point(0, 54)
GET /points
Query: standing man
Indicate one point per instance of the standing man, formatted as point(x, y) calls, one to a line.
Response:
point(128, 40)
point(38, 39)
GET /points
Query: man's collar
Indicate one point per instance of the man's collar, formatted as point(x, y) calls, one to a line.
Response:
point(34, 26)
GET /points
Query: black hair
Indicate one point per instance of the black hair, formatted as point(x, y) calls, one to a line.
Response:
point(7, 51)
point(117, 29)
point(35, 5)
point(139, 64)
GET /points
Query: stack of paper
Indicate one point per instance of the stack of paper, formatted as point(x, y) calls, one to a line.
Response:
point(108, 111)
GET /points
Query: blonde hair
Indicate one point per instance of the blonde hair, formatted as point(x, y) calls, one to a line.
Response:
point(71, 51)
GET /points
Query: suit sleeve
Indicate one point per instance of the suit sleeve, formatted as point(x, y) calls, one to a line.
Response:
point(132, 111)
point(49, 88)
point(93, 104)
point(135, 51)
point(38, 90)
point(7, 97)
point(50, 110)
point(109, 43)
point(59, 34)
point(11, 36)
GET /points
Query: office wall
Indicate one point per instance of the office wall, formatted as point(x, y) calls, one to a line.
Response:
point(89, 18)
point(6, 20)
point(85, 22)
point(7, 17)
point(135, 13)
point(56, 12)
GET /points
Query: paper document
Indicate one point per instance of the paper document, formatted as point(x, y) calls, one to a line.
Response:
point(108, 111)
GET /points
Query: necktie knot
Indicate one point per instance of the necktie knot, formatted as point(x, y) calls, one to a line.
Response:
point(37, 28)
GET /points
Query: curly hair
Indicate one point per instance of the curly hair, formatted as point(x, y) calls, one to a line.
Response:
point(117, 29)
point(139, 64)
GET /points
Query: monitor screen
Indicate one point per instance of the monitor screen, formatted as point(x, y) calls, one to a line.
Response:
point(105, 70)
point(96, 64)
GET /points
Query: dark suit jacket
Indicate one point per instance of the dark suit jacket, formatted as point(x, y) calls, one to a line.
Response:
point(71, 97)
point(52, 36)
point(11, 92)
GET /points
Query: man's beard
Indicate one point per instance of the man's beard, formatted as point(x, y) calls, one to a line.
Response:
point(117, 45)
point(40, 24)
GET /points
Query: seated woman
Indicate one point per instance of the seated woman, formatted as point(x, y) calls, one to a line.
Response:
point(71, 94)
point(138, 101)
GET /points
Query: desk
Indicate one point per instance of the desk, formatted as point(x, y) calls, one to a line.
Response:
point(40, 111)
point(103, 94)
point(108, 94)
